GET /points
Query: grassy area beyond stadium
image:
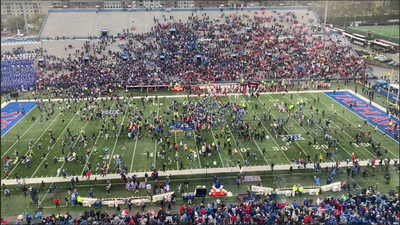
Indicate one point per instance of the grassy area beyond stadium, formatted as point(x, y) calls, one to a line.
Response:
point(390, 31)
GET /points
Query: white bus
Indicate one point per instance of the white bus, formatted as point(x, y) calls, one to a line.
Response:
point(349, 36)
point(394, 46)
point(380, 46)
point(360, 36)
point(359, 41)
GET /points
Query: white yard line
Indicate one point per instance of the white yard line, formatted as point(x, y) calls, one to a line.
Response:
point(98, 136)
point(215, 141)
point(197, 149)
point(177, 166)
point(351, 123)
point(20, 137)
point(116, 140)
point(35, 143)
point(303, 127)
point(155, 143)
point(321, 129)
point(134, 151)
point(77, 139)
point(319, 126)
point(251, 138)
point(277, 145)
point(296, 122)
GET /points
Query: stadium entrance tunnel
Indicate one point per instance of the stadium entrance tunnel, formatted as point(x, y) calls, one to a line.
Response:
point(104, 32)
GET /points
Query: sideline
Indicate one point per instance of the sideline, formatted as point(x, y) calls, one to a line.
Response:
point(286, 167)
point(178, 96)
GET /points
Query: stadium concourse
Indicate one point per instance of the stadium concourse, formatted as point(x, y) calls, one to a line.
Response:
point(261, 53)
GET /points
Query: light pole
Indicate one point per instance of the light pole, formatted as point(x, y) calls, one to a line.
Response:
point(326, 13)
point(26, 24)
point(345, 17)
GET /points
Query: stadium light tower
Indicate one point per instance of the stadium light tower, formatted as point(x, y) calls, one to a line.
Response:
point(326, 13)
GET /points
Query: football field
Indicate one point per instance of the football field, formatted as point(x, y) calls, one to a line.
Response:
point(390, 31)
point(141, 155)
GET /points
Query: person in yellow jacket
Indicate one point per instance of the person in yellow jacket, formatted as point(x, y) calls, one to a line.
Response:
point(295, 189)
point(320, 158)
point(301, 190)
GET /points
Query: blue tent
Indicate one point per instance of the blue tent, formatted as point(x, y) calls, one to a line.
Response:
point(381, 83)
point(317, 181)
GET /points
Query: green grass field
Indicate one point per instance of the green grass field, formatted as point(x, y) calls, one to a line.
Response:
point(135, 155)
point(389, 31)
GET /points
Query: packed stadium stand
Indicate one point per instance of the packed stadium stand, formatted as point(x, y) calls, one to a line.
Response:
point(17, 71)
point(83, 23)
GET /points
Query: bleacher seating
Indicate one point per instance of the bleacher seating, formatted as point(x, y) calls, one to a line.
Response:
point(17, 71)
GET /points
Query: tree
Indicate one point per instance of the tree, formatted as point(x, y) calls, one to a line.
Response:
point(12, 21)
point(37, 20)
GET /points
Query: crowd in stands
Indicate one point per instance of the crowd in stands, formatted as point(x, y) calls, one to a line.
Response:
point(17, 71)
point(365, 207)
point(276, 46)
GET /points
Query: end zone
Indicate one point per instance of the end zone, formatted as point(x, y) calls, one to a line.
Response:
point(372, 114)
point(10, 115)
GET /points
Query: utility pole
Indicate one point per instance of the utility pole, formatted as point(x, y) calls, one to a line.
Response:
point(26, 24)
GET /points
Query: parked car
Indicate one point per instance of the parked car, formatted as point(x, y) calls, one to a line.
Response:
point(396, 64)
point(379, 56)
point(385, 60)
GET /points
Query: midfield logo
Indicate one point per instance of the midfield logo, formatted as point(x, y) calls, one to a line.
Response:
point(294, 136)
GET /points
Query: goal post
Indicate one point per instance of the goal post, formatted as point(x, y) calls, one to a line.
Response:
point(392, 78)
